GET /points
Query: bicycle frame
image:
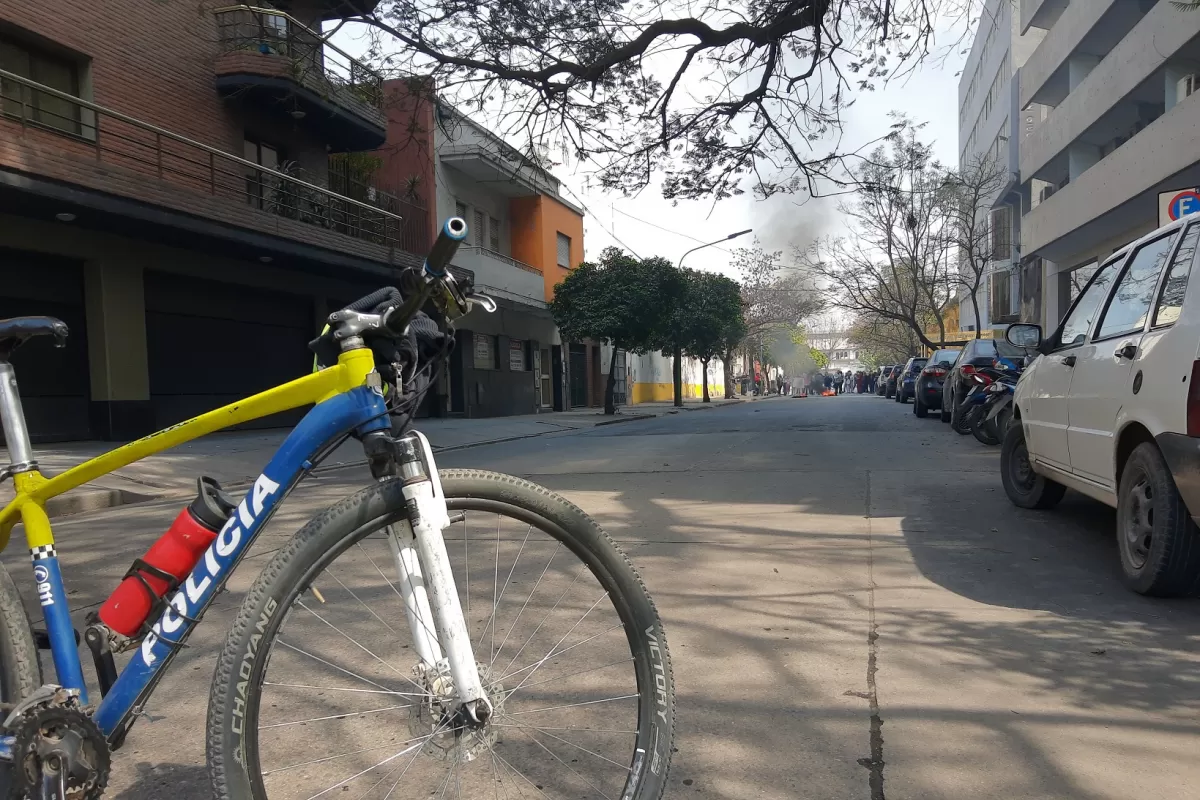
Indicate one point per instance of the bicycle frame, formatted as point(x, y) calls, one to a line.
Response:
point(346, 399)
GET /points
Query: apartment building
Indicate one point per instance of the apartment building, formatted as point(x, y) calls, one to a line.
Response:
point(166, 189)
point(989, 121)
point(524, 238)
point(1110, 122)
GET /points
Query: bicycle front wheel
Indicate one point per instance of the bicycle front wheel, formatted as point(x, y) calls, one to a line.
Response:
point(319, 691)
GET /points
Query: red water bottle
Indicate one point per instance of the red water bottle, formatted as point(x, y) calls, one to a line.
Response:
point(168, 561)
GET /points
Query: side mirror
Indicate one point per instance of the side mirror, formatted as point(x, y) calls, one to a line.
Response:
point(1024, 335)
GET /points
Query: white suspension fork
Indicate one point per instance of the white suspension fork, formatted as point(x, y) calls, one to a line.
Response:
point(429, 576)
point(412, 589)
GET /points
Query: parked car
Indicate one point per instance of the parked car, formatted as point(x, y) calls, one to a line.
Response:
point(889, 383)
point(1111, 408)
point(907, 379)
point(976, 353)
point(928, 391)
point(881, 387)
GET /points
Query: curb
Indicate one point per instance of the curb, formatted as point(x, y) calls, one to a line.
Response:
point(82, 501)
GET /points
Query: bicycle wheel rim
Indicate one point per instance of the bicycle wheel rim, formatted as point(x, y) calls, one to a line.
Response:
point(636, 668)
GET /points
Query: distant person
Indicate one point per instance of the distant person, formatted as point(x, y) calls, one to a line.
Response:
point(838, 382)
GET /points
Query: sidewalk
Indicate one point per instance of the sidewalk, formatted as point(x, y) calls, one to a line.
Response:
point(237, 457)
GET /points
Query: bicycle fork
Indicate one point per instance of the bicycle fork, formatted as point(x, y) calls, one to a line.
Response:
point(426, 580)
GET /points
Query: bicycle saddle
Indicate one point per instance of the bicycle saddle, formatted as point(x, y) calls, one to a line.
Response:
point(16, 331)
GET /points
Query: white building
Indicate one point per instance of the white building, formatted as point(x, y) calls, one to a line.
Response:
point(837, 348)
point(988, 128)
point(1110, 122)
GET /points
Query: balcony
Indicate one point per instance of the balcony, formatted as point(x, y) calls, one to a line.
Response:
point(50, 134)
point(273, 60)
point(329, 9)
point(1041, 13)
point(503, 276)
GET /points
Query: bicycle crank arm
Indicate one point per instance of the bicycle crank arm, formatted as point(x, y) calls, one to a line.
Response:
point(428, 517)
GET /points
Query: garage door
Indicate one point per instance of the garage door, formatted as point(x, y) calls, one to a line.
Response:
point(210, 343)
point(54, 383)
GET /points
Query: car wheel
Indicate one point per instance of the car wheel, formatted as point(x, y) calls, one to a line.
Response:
point(1159, 543)
point(919, 409)
point(944, 412)
point(1024, 487)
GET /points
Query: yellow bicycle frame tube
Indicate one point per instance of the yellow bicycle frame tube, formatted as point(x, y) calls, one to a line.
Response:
point(33, 489)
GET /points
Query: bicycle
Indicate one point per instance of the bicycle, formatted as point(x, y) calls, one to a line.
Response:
point(303, 703)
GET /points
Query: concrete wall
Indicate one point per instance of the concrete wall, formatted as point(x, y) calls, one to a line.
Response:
point(498, 389)
point(651, 379)
point(1076, 22)
point(1159, 35)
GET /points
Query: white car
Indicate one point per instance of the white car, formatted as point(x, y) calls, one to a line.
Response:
point(1111, 408)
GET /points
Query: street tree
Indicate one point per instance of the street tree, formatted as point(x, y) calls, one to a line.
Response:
point(882, 341)
point(715, 322)
point(969, 194)
point(896, 264)
point(617, 299)
point(775, 298)
point(711, 96)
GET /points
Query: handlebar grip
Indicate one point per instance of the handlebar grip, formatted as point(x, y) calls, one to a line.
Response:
point(453, 232)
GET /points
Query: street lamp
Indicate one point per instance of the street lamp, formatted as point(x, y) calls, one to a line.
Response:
point(710, 244)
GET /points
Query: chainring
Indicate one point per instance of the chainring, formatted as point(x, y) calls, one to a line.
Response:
point(69, 735)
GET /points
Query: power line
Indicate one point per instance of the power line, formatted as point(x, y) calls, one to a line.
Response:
point(666, 230)
point(593, 215)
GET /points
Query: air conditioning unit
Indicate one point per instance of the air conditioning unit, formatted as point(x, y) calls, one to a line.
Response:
point(1046, 193)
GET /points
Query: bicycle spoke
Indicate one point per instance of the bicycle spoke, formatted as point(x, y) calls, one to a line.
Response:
point(573, 674)
point(331, 758)
point(292, 647)
point(387, 760)
point(524, 605)
point(554, 755)
point(357, 644)
point(496, 598)
point(516, 772)
point(625, 767)
point(344, 715)
point(370, 610)
point(558, 653)
point(578, 575)
point(344, 689)
point(572, 705)
point(546, 657)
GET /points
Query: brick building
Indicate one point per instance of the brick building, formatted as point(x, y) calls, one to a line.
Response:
point(165, 189)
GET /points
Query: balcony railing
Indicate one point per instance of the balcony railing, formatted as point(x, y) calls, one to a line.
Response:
point(115, 139)
point(512, 262)
point(314, 62)
point(415, 230)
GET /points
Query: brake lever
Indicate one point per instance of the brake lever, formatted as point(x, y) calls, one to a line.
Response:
point(489, 305)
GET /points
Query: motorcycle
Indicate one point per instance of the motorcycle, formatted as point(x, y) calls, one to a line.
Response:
point(990, 423)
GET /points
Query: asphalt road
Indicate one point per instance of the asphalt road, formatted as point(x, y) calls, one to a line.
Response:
point(854, 611)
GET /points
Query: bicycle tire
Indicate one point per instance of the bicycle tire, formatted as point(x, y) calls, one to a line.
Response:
point(20, 670)
point(233, 756)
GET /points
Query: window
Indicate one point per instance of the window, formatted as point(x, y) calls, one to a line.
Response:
point(260, 189)
point(1000, 294)
point(485, 351)
point(494, 234)
point(460, 210)
point(564, 250)
point(45, 68)
point(1001, 231)
point(1079, 321)
point(479, 232)
point(1130, 303)
point(1170, 303)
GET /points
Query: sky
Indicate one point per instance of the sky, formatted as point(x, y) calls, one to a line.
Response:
point(649, 225)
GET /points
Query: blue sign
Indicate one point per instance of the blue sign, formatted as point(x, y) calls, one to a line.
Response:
point(1183, 204)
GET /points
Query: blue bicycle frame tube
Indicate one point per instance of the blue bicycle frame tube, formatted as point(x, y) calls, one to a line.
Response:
point(362, 409)
point(53, 598)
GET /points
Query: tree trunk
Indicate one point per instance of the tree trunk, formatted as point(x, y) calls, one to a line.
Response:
point(975, 306)
point(610, 386)
point(677, 374)
point(704, 378)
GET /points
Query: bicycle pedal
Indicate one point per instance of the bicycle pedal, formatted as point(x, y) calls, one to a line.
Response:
point(42, 639)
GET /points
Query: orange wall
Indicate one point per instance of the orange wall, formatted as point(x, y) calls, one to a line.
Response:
point(535, 223)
